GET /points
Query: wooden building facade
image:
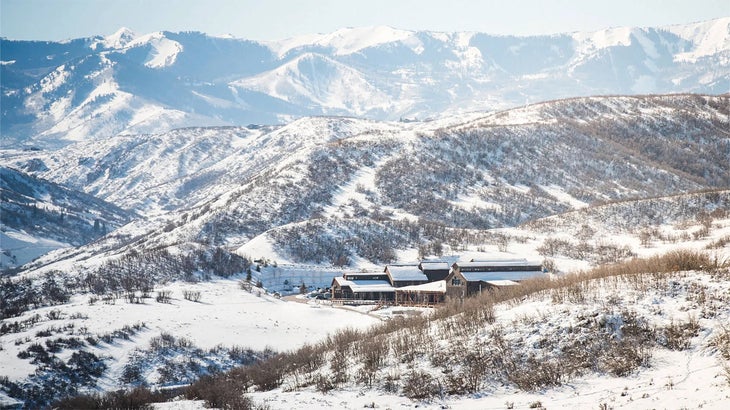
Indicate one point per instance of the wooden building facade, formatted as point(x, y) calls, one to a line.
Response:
point(430, 283)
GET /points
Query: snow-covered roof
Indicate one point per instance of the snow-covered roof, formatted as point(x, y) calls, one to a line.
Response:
point(405, 272)
point(497, 262)
point(366, 274)
point(435, 266)
point(438, 286)
point(365, 285)
point(502, 282)
point(493, 276)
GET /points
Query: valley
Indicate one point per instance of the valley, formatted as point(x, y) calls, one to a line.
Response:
point(154, 246)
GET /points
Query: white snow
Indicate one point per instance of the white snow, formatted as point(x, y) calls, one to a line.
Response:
point(472, 201)
point(317, 79)
point(707, 38)
point(364, 180)
point(120, 39)
point(260, 246)
point(347, 41)
point(438, 286)
point(18, 248)
point(611, 37)
point(225, 315)
point(164, 51)
point(560, 194)
point(646, 44)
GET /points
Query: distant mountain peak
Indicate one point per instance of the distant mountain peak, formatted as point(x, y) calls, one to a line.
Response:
point(170, 80)
point(120, 38)
point(707, 38)
point(344, 41)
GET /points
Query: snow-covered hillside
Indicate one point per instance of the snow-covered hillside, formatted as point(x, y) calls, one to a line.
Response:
point(575, 183)
point(182, 329)
point(362, 192)
point(224, 327)
point(39, 216)
point(639, 341)
point(98, 87)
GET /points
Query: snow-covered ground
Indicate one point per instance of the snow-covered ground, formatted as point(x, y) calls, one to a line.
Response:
point(18, 248)
point(674, 379)
point(225, 315)
point(692, 378)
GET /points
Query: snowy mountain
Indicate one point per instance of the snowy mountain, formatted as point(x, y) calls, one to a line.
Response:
point(55, 93)
point(39, 216)
point(344, 191)
point(575, 183)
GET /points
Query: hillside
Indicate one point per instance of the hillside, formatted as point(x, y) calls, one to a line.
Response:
point(203, 322)
point(647, 333)
point(94, 88)
point(574, 183)
point(353, 192)
point(636, 340)
point(38, 216)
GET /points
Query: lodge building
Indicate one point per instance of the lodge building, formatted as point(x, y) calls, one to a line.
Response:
point(430, 283)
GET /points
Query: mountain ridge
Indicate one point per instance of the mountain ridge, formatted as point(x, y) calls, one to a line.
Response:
point(318, 181)
point(101, 86)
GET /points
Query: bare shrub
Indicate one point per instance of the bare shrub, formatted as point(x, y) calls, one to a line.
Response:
point(139, 398)
point(163, 341)
point(219, 392)
point(304, 362)
point(246, 285)
point(719, 243)
point(192, 295)
point(623, 357)
point(342, 338)
point(455, 383)
point(536, 405)
point(268, 374)
point(419, 385)
point(54, 314)
point(535, 373)
point(552, 247)
point(391, 382)
point(675, 261)
point(373, 353)
point(446, 359)
point(678, 336)
point(338, 367)
point(132, 297)
point(572, 293)
point(721, 341)
point(404, 347)
point(549, 264)
point(475, 366)
point(324, 383)
point(163, 296)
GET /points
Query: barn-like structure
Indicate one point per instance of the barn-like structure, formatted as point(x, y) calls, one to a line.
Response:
point(429, 282)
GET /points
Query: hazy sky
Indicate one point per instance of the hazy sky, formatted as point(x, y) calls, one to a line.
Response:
point(279, 19)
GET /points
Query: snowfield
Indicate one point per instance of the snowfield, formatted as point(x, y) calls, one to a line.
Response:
point(693, 378)
point(225, 315)
point(378, 72)
point(303, 203)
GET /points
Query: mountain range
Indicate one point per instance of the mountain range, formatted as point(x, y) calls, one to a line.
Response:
point(355, 192)
point(181, 163)
point(56, 93)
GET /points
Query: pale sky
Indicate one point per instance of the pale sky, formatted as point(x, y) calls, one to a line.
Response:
point(280, 19)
